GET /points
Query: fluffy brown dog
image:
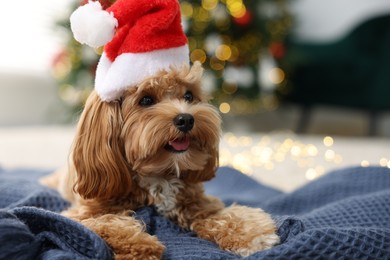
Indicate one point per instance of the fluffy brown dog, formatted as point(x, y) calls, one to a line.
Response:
point(155, 146)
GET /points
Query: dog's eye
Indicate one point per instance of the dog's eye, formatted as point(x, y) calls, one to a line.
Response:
point(146, 101)
point(188, 96)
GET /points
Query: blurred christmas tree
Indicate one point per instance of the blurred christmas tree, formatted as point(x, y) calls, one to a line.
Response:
point(239, 42)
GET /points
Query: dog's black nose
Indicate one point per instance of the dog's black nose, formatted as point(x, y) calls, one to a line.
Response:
point(184, 122)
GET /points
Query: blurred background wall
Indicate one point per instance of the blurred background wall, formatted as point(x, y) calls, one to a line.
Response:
point(292, 81)
point(30, 40)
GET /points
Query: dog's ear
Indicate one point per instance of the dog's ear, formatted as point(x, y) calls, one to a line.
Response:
point(98, 153)
point(195, 73)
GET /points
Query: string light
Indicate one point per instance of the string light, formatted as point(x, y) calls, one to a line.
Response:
point(224, 108)
point(311, 174)
point(329, 155)
point(209, 4)
point(223, 52)
point(383, 162)
point(198, 55)
point(276, 75)
point(257, 155)
point(365, 163)
point(186, 9)
point(236, 8)
point(328, 141)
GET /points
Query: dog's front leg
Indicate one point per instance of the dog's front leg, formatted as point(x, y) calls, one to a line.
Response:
point(124, 234)
point(238, 229)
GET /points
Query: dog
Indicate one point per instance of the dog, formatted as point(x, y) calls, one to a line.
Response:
point(155, 146)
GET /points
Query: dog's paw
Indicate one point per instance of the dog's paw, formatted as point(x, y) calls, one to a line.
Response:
point(145, 247)
point(126, 237)
point(256, 241)
point(239, 229)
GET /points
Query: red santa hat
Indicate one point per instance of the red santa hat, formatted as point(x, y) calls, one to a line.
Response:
point(140, 38)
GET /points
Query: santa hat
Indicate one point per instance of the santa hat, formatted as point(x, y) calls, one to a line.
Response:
point(141, 38)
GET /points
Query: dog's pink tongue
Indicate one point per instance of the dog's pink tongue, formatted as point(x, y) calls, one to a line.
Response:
point(181, 144)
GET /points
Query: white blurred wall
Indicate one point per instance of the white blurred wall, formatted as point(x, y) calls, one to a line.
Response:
point(28, 43)
point(321, 21)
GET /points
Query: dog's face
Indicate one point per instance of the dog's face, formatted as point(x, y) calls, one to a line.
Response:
point(168, 126)
point(162, 127)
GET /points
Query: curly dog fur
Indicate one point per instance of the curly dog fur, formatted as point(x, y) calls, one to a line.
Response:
point(155, 146)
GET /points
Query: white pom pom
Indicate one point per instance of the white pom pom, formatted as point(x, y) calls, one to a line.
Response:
point(92, 25)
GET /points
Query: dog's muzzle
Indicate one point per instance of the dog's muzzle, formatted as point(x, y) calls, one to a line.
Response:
point(184, 123)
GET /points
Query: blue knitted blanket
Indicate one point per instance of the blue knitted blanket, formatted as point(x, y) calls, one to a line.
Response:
point(343, 215)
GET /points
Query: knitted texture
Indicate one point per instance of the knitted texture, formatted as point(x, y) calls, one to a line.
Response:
point(343, 215)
